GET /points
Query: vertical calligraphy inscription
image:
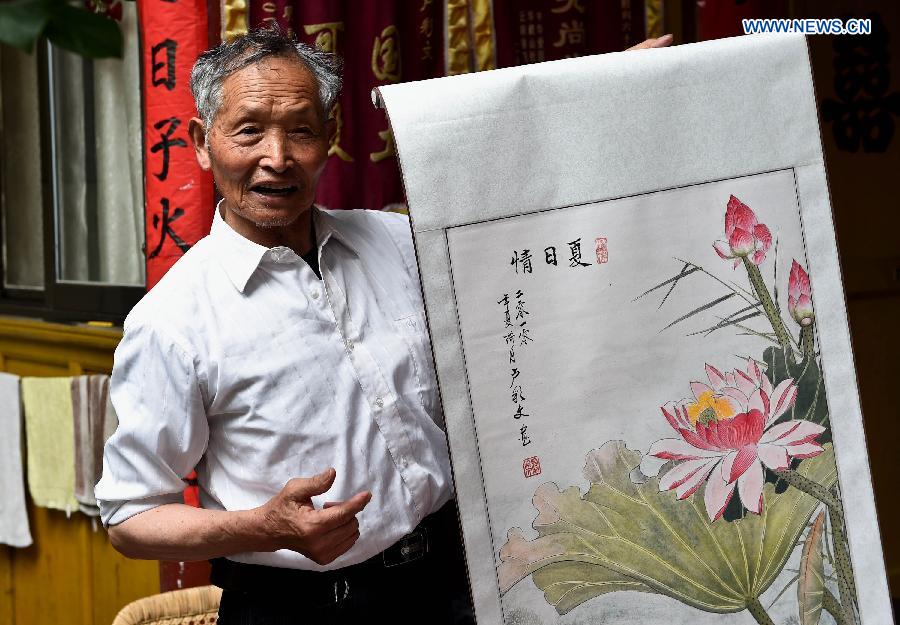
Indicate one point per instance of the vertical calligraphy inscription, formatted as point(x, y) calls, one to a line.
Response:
point(516, 334)
point(163, 73)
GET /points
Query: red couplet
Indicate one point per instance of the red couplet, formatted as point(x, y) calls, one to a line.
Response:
point(179, 195)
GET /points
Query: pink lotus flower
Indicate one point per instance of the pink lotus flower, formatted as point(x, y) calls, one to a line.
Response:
point(800, 296)
point(746, 236)
point(728, 434)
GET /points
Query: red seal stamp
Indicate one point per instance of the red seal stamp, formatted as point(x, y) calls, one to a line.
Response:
point(531, 466)
point(602, 251)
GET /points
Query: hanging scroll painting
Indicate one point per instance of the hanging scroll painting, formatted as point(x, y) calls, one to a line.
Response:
point(641, 341)
point(687, 317)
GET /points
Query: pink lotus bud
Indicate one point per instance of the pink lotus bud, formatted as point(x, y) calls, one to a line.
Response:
point(800, 296)
point(746, 237)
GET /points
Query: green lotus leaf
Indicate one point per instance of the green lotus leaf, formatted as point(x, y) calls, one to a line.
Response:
point(811, 403)
point(626, 536)
point(811, 579)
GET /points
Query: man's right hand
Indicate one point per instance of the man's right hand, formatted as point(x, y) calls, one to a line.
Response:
point(291, 520)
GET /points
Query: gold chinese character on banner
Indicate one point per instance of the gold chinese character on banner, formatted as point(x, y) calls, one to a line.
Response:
point(425, 5)
point(427, 27)
point(570, 33)
point(326, 35)
point(386, 55)
point(569, 5)
point(388, 137)
point(334, 141)
point(270, 10)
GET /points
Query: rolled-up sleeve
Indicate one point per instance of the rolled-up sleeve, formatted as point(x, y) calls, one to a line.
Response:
point(163, 429)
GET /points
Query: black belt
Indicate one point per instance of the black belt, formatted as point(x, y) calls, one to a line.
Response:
point(435, 535)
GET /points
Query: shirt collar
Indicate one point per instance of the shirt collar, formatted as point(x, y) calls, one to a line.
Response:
point(328, 226)
point(241, 257)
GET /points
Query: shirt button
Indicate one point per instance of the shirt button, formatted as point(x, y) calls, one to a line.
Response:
point(379, 402)
point(315, 294)
point(349, 344)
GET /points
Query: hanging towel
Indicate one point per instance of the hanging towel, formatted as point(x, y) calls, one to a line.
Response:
point(50, 437)
point(94, 422)
point(13, 517)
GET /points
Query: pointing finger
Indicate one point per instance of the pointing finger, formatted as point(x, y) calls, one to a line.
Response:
point(342, 512)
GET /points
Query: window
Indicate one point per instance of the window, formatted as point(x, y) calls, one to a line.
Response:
point(71, 182)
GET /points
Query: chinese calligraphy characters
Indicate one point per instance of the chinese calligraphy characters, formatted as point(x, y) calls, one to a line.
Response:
point(521, 260)
point(516, 335)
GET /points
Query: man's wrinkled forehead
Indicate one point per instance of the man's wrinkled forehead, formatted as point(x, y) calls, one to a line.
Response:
point(284, 77)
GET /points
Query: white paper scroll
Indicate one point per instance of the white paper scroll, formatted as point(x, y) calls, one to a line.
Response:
point(566, 217)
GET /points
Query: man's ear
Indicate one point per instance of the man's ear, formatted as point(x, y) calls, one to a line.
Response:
point(198, 137)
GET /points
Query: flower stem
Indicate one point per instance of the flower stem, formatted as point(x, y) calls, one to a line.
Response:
point(830, 603)
point(807, 345)
point(759, 612)
point(842, 565)
point(815, 490)
point(769, 307)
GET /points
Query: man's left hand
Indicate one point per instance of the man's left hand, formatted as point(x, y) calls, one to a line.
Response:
point(654, 42)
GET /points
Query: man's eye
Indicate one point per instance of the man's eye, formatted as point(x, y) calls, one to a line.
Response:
point(302, 130)
point(248, 130)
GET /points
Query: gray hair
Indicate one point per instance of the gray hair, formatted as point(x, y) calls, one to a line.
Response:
point(216, 64)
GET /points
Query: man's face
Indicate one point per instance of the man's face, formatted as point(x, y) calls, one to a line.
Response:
point(268, 143)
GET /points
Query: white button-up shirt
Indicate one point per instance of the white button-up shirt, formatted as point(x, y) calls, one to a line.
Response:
point(243, 363)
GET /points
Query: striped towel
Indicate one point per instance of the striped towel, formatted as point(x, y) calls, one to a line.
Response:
point(51, 442)
point(94, 422)
point(13, 517)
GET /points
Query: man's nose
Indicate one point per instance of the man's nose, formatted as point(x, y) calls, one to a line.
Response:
point(275, 152)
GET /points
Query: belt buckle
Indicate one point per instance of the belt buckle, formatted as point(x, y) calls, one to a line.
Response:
point(410, 548)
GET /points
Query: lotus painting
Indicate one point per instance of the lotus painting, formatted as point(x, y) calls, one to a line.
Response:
point(649, 402)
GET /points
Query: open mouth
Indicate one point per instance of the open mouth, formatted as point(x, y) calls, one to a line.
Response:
point(274, 190)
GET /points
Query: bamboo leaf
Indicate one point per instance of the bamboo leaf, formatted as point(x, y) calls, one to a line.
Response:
point(741, 311)
point(671, 288)
point(673, 280)
point(744, 293)
point(785, 589)
point(752, 332)
point(811, 579)
point(731, 322)
point(705, 306)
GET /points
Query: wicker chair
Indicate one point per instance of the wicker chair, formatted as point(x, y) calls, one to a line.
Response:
point(190, 606)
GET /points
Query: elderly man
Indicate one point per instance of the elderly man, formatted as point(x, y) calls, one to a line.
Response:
point(286, 357)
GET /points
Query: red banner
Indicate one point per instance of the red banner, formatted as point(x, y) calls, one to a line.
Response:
point(179, 195)
point(381, 43)
point(531, 31)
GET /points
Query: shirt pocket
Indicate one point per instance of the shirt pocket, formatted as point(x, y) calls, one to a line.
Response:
point(413, 330)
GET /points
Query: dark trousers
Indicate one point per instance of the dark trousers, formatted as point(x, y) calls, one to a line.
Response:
point(420, 580)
